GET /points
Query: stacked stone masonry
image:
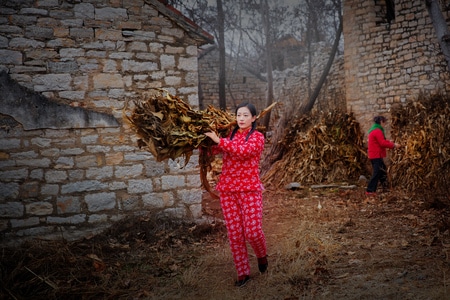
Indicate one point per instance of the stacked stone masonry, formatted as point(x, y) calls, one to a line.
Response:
point(389, 62)
point(69, 183)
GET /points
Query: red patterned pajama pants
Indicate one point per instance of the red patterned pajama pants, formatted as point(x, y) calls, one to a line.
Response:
point(242, 212)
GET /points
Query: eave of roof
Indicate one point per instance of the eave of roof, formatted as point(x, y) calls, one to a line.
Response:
point(195, 31)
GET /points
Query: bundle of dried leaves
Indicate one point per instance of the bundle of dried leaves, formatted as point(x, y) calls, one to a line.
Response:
point(319, 148)
point(169, 128)
point(422, 127)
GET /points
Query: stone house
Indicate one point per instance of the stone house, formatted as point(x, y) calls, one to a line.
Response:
point(69, 164)
point(391, 55)
point(287, 52)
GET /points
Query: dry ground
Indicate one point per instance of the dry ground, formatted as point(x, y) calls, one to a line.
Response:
point(388, 247)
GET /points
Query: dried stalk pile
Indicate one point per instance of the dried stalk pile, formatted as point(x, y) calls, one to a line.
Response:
point(325, 147)
point(423, 163)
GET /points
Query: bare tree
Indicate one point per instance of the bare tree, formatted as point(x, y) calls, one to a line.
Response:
point(222, 74)
point(212, 19)
point(268, 54)
point(258, 24)
point(312, 98)
point(440, 25)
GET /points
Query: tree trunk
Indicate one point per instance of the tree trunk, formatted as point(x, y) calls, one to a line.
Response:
point(440, 25)
point(309, 44)
point(222, 76)
point(312, 99)
point(268, 50)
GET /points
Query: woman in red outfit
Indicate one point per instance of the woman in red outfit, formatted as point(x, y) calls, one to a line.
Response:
point(241, 190)
point(377, 145)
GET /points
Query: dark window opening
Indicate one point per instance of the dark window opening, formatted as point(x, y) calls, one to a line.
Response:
point(390, 10)
point(385, 11)
point(244, 79)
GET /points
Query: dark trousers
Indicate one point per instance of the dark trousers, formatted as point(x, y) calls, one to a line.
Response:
point(379, 174)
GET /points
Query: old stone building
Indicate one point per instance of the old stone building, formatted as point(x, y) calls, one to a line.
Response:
point(391, 55)
point(287, 52)
point(69, 164)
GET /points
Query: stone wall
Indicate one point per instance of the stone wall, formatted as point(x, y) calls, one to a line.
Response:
point(391, 55)
point(291, 86)
point(95, 55)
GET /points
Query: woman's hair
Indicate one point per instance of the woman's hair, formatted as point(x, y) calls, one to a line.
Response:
point(252, 110)
point(379, 119)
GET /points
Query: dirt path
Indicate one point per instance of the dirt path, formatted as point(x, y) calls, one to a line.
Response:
point(388, 247)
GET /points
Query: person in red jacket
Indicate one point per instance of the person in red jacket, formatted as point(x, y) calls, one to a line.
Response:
point(377, 144)
point(241, 189)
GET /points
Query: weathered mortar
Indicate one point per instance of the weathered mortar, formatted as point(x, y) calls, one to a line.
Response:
point(77, 181)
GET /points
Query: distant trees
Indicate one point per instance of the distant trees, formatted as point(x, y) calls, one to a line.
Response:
point(248, 30)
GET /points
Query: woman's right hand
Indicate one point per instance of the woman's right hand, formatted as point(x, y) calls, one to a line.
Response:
point(212, 135)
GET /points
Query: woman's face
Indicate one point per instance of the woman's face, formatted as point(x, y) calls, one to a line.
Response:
point(244, 118)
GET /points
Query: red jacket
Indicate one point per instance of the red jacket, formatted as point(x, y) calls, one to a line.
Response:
point(377, 144)
point(240, 168)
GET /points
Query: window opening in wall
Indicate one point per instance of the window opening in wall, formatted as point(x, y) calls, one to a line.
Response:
point(244, 79)
point(390, 10)
point(385, 11)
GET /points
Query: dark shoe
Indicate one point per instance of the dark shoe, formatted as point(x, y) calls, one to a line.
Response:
point(262, 264)
point(242, 281)
point(263, 268)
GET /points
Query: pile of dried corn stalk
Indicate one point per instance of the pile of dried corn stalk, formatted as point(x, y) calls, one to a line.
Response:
point(422, 127)
point(169, 128)
point(319, 148)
